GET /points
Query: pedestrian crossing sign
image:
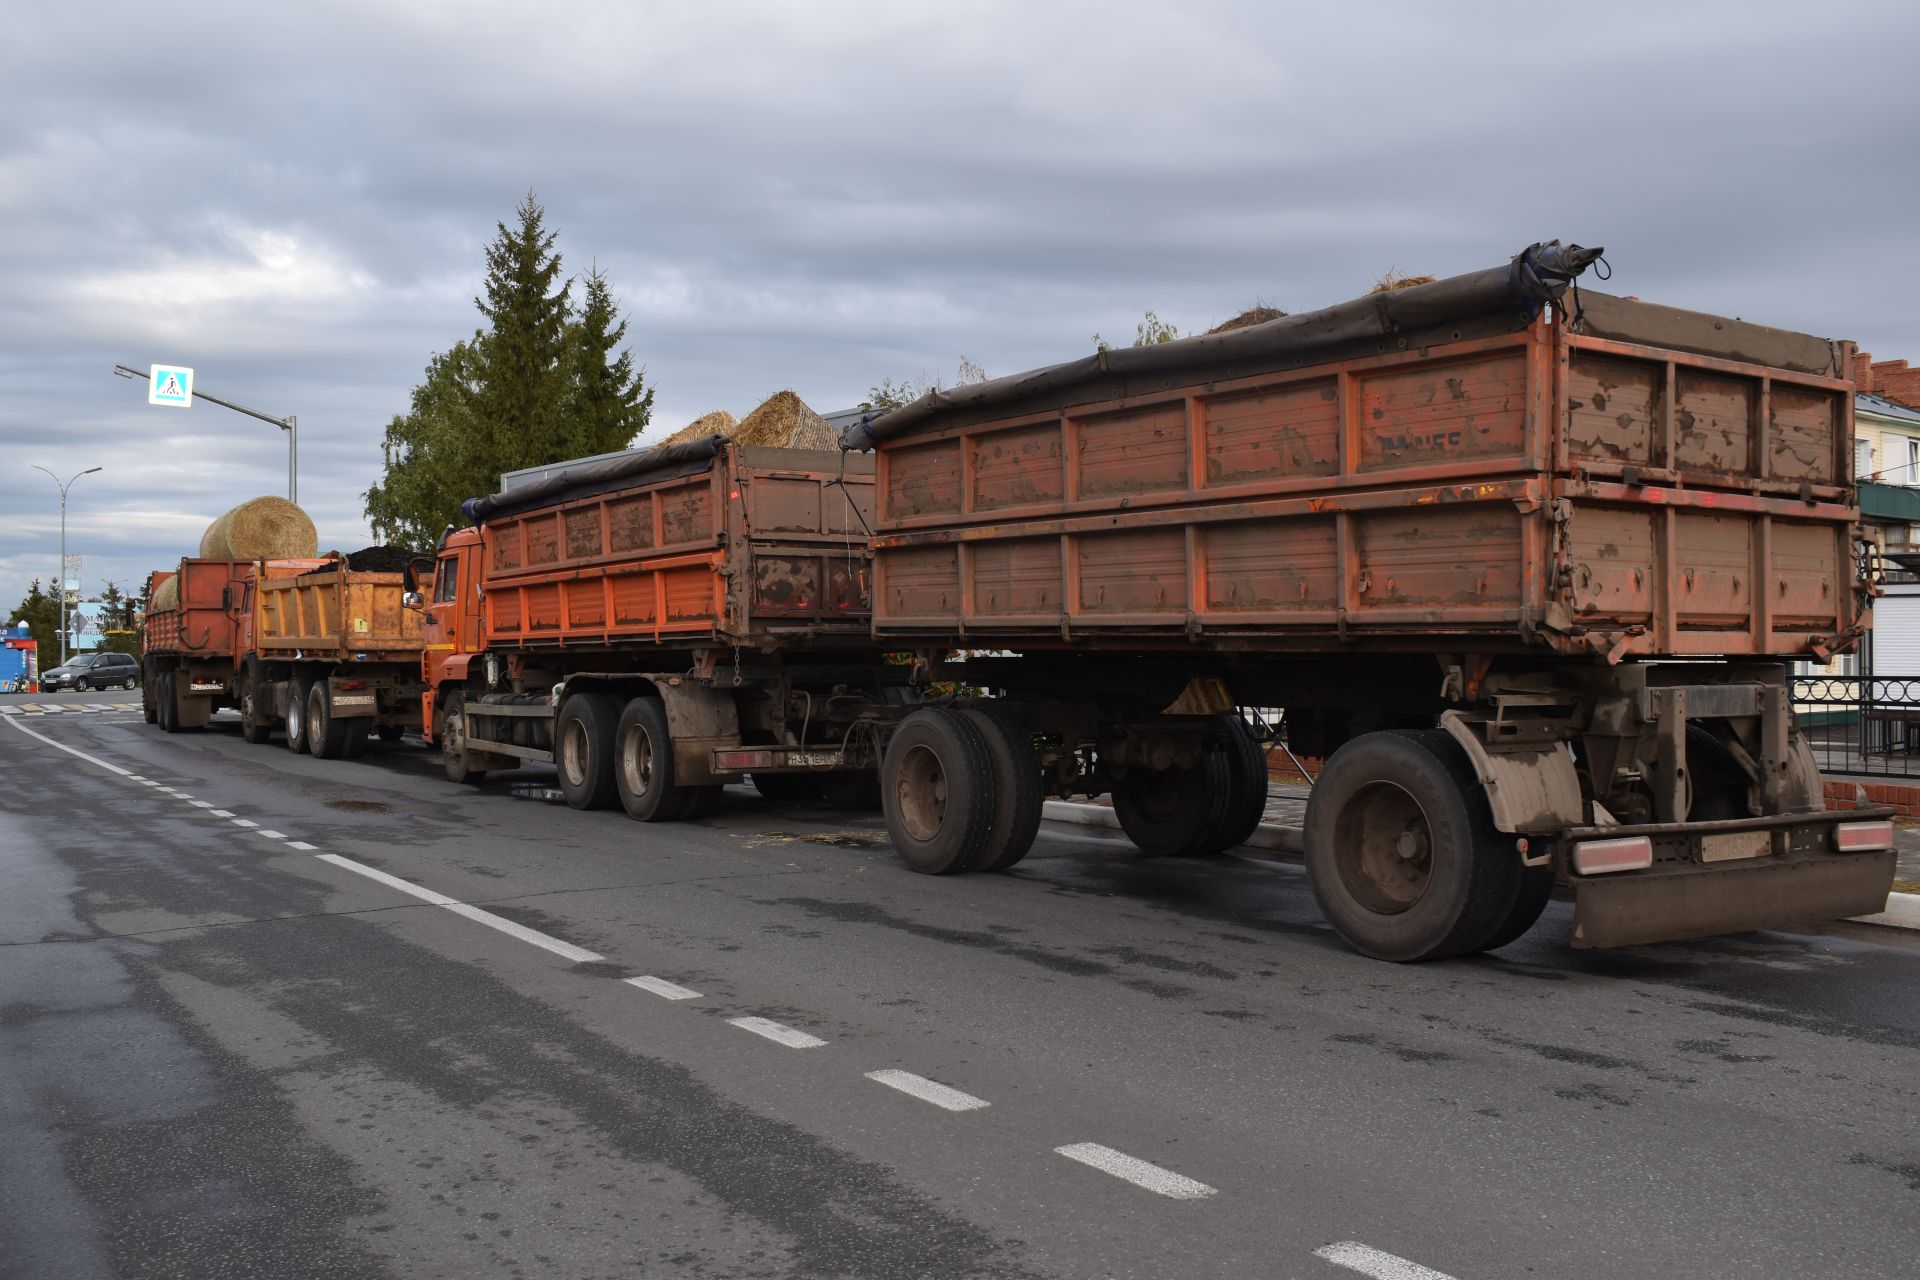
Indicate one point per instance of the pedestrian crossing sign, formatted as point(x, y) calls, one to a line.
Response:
point(171, 385)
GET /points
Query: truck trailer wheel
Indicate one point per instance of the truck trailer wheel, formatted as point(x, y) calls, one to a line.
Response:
point(254, 727)
point(459, 760)
point(1536, 887)
point(937, 788)
point(1247, 782)
point(1177, 813)
point(1402, 852)
point(583, 750)
point(392, 732)
point(165, 709)
point(643, 765)
point(150, 696)
point(299, 727)
point(326, 732)
point(1016, 778)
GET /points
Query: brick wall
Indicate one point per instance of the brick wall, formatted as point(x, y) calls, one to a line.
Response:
point(1890, 379)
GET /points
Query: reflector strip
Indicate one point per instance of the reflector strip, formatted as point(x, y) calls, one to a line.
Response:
point(1599, 857)
point(1863, 837)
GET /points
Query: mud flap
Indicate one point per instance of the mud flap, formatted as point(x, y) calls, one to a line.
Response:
point(1700, 902)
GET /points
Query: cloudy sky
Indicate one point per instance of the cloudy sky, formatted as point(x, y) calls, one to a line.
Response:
point(293, 199)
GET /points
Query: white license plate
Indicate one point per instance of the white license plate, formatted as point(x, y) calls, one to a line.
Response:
point(1733, 845)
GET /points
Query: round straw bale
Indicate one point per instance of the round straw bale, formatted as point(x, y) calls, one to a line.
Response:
point(785, 421)
point(717, 423)
point(261, 528)
point(165, 596)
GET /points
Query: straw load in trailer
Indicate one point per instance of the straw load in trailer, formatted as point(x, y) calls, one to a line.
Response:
point(783, 422)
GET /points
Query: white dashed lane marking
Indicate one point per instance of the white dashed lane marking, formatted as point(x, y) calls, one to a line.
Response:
point(928, 1091)
point(244, 822)
point(778, 1033)
point(1355, 1256)
point(664, 989)
point(533, 937)
point(219, 813)
point(1140, 1173)
point(271, 835)
point(302, 846)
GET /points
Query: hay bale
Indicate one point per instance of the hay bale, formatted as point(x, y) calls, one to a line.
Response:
point(717, 423)
point(262, 528)
point(785, 421)
point(1246, 319)
point(1394, 280)
point(165, 596)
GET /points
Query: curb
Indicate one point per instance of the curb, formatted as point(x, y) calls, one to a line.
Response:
point(1903, 909)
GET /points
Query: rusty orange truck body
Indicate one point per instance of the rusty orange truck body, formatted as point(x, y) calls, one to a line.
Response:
point(325, 652)
point(716, 592)
point(1460, 533)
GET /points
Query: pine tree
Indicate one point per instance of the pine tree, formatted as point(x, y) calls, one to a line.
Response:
point(541, 383)
point(608, 404)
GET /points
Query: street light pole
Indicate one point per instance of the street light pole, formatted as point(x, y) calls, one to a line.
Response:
point(288, 424)
point(61, 583)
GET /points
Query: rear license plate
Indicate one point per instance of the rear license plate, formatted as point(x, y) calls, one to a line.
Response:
point(1734, 845)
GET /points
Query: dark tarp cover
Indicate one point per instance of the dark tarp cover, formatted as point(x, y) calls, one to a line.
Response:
point(588, 479)
point(1499, 299)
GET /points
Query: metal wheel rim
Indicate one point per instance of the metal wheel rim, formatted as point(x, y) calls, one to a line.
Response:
point(573, 753)
point(453, 740)
point(921, 785)
point(636, 760)
point(1383, 848)
point(297, 720)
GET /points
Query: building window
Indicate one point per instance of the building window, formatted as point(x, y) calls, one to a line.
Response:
point(1862, 459)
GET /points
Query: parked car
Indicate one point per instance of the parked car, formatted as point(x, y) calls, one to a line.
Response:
point(92, 671)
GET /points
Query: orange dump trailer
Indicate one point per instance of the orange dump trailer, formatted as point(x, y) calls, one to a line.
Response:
point(1525, 565)
point(659, 624)
point(312, 646)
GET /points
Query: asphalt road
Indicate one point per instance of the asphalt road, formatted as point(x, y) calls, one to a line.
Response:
point(229, 1047)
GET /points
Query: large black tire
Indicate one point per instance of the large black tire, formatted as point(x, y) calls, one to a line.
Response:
point(1016, 779)
point(150, 697)
point(326, 733)
point(786, 788)
point(1246, 781)
point(299, 718)
point(937, 789)
point(254, 727)
point(852, 790)
point(167, 712)
point(583, 750)
point(1536, 887)
point(1402, 852)
point(1177, 813)
point(392, 732)
point(462, 765)
point(643, 765)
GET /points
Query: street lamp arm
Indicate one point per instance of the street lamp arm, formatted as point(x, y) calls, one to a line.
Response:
point(289, 424)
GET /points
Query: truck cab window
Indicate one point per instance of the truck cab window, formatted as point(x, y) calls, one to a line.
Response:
point(445, 581)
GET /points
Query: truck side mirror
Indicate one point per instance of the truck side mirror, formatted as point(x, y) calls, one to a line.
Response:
point(413, 599)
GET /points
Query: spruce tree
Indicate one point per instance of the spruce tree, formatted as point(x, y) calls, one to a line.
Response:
point(608, 403)
point(541, 383)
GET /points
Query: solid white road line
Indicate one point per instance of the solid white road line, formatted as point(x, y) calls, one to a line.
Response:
point(533, 937)
point(61, 746)
point(928, 1091)
point(777, 1033)
point(664, 989)
point(1355, 1256)
point(1141, 1174)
